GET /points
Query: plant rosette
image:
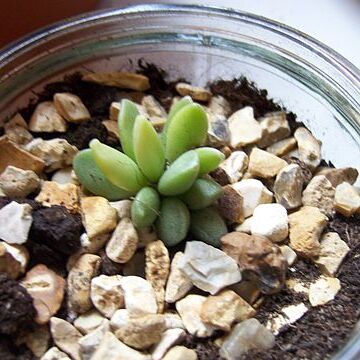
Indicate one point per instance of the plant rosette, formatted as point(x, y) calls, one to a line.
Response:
point(164, 174)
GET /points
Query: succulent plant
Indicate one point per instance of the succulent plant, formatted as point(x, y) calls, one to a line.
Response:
point(165, 174)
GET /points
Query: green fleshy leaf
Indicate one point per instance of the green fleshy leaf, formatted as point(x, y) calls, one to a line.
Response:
point(210, 159)
point(145, 208)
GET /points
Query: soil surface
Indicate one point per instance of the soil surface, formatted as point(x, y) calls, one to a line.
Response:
point(318, 334)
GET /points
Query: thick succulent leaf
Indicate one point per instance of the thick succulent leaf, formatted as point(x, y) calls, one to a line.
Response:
point(94, 180)
point(126, 120)
point(180, 175)
point(118, 168)
point(209, 158)
point(149, 152)
point(208, 226)
point(202, 194)
point(145, 208)
point(173, 222)
point(187, 130)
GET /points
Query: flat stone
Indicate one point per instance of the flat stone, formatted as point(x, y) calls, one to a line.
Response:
point(289, 315)
point(47, 290)
point(224, 309)
point(323, 290)
point(157, 269)
point(46, 118)
point(259, 259)
point(12, 154)
point(235, 166)
point(244, 129)
point(347, 199)
point(153, 107)
point(13, 259)
point(309, 147)
point(79, 282)
point(253, 193)
point(66, 337)
point(168, 339)
point(270, 220)
point(54, 354)
point(71, 108)
point(139, 296)
point(248, 335)
point(306, 226)
point(53, 193)
point(18, 183)
point(90, 342)
point(123, 208)
point(88, 322)
point(332, 252)
point(38, 340)
point(120, 79)
point(178, 284)
point(265, 165)
point(337, 176)
point(289, 254)
point(141, 332)
point(208, 268)
point(15, 222)
point(99, 217)
point(106, 294)
point(282, 147)
point(189, 308)
point(195, 92)
point(123, 242)
point(288, 187)
point(63, 176)
point(274, 127)
point(112, 348)
point(180, 353)
point(320, 193)
point(230, 205)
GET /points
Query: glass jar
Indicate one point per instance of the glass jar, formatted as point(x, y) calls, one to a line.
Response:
point(200, 44)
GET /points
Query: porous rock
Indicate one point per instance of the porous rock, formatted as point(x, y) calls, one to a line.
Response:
point(264, 165)
point(259, 259)
point(306, 226)
point(208, 268)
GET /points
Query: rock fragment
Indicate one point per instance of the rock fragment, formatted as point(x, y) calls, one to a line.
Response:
point(153, 107)
point(18, 134)
point(244, 129)
point(306, 226)
point(245, 226)
point(259, 259)
point(122, 80)
point(282, 147)
point(79, 282)
point(71, 108)
point(337, 176)
point(94, 245)
point(47, 290)
point(13, 259)
point(47, 119)
point(219, 105)
point(332, 252)
point(196, 92)
point(289, 254)
point(288, 187)
point(157, 268)
point(218, 130)
point(274, 127)
point(247, 290)
point(265, 165)
point(189, 308)
point(230, 205)
point(270, 220)
point(65, 337)
point(309, 147)
point(235, 166)
point(122, 207)
point(15, 222)
point(88, 322)
point(123, 242)
point(247, 335)
point(320, 193)
point(66, 195)
point(168, 339)
point(224, 309)
point(63, 176)
point(180, 353)
point(112, 128)
point(208, 268)
point(139, 296)
point(99, 217)
point(54, 354)
point(13, 155)
point(253, 193)
point(178, 284)
point(347, 199)
point(106, 294)
point(323, 290)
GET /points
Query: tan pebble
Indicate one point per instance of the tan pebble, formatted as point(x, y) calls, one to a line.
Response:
point(282, 147)
point(347, 199)
point(47, 119)
point(153, 107)
point(168, 339)
point(89, 321)
point(197, 93)
point(112, 128)
point(53, 193)
point(274, 127)
point(180, 353)
point(47, 290)
point(71, 108)
point(54, 354)
point(19, 135)
point(114, 111)
point(337, 176)
point(16, 120)
point(309, 147)
point(123, 208)
point(219, 105)
point(323, 290)
point(289, 254)
point(235, 165)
